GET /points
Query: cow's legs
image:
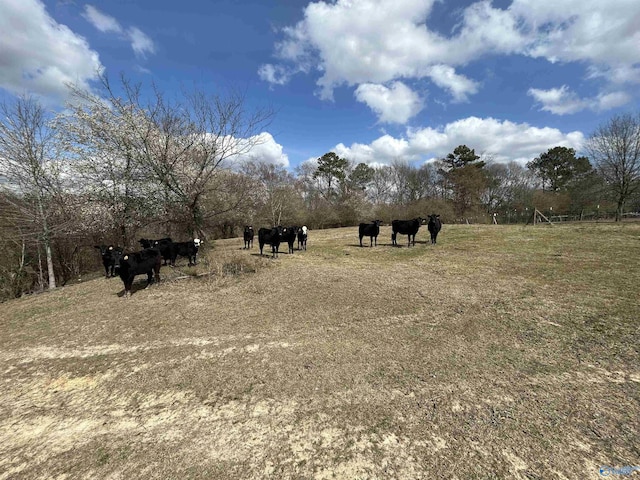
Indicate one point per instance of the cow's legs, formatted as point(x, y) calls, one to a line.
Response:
point(127, 286)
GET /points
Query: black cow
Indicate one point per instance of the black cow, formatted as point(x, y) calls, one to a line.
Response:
point(434, 226)
point(271, 236)
point(162, 244)
point(137, 263)
point(406, 227)
point(248, 237)
point(289, 235)
point(110, 259)
point(302, 237)
point(184, 249)
point(370, 230)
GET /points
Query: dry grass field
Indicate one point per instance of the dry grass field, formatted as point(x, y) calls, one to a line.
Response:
point(501, 352)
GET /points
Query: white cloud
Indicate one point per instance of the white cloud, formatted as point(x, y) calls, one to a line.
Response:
point(618, 75)
point(366, 41)
point(267, 150)
point(396, 104)
point(39, 55)
point(140, 42)
point(598, 32)
point(458, 85)
point(505, 141)
point(380, 41)
point(274, 74)
point(607, 101)
point(101, 21)
point(562, 101)
point(487, 30)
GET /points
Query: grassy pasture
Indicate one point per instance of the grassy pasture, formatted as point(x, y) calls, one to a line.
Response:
point(502, 352)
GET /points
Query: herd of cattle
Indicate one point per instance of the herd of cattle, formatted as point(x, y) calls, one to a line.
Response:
point(149, 260)
point(275, 236)
point(404, 227)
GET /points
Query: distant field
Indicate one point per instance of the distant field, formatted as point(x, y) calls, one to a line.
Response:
point(501, 352)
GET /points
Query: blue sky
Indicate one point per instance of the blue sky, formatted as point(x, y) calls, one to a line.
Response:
point(372, 80)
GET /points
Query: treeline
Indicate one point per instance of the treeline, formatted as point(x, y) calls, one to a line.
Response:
point(118, 165)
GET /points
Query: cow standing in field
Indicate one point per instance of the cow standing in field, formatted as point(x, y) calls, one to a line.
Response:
point(184, 249)
point(289, 235)
point(110, 259)
point(406, 227)
point(302, 237)
point(146, 261)
point(162, 244)
point(248, 237)
point(371, 230)
point(270, 236)
point(434, 227)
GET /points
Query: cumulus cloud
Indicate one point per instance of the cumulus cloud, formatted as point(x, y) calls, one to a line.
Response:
point(140, 42)
point(459, 86)
point(560, 101)
point(505, 141)
point(394, 104)
point(39, 55)
point(266, 149)
point(380, 41)
point(563, 101)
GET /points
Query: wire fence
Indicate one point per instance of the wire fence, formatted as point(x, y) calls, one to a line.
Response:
point(524, 216)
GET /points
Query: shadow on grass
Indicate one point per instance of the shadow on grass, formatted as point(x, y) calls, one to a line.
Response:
point(136, 287)
point(366, 245)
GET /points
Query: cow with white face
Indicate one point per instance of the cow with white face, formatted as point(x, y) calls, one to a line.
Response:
point(302, 237)
point(185, 249)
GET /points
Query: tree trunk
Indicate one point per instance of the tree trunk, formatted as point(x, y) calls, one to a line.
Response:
point(47, 247)
point(40, 274)
point(619, 210)
point(124, 237)
point(52, 277)
point(197, 220)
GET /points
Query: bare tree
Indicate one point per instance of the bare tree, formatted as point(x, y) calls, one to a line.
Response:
point(29, 163)
point(381, 187)
point(276, 187)
point(118, 191)
point(614, 149)
point(507, 184)
point(183, 144)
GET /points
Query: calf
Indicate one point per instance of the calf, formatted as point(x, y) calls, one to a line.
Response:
point(406, 227)
point(162, 244)
point(289, 236)
point(184, 249)
point(370, 230)
point(271, 236)
point(248, 237)
point(302, 237)
point(137, 263)
point(110, 259)
point(434, 226)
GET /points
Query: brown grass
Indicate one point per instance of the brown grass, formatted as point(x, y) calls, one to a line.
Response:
point(502, 352)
